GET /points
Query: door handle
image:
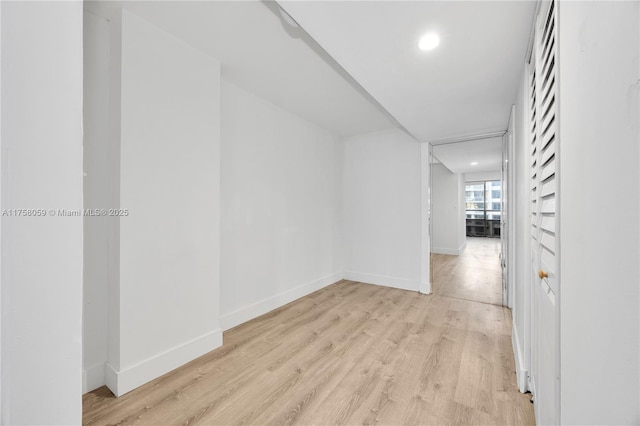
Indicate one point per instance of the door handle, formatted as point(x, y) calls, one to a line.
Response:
point(542, 274)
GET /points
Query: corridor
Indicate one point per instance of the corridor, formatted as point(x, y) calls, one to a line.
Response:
point(474, 275)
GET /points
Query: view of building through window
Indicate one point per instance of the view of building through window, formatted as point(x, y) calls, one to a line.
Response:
point(483, 205)
point(483, 200)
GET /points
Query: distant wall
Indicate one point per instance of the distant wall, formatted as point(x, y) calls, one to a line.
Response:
point(382, 202)
point(448, 216)
point(480, 176)
point(281, 206)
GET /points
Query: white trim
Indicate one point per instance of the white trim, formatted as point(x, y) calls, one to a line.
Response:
point(532, 35)
point(3, 419)
point(522, 375)
point(93, 377)
point(425, 220)
point(382, 280)
point(425, 287)
point(467, 138)
point(532, 388)
point(454, 252)
point(123, 381)
point(261, 307)
point(511, 212)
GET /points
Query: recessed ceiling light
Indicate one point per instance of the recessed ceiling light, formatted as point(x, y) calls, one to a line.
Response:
point(429, 41)
point(475, 163)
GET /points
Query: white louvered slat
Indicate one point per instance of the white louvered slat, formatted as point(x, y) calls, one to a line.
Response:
point(548, 241)
point(548, 222)
point(549, 150)
point(548, 115)
point(548, 170)
point(548, 205)
point(548, 260)
point(550, 90)
point(548, 187)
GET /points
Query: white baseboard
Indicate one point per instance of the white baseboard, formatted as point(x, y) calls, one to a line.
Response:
point(450, 251)
point(92, 377)
point(395, 282)
point(131, 377)
point(256, 309)
point(521, 373)
point(453, 252)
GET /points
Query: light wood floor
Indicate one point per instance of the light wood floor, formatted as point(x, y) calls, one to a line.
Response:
point(350, 353)
point(474, 275)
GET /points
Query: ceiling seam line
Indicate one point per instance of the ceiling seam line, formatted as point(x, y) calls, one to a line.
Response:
point(469, 138)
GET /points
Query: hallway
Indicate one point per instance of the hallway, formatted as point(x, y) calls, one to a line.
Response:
point(350, 353)
point(474, 275)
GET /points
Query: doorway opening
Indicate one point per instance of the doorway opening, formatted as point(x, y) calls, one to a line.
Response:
point(466, 219)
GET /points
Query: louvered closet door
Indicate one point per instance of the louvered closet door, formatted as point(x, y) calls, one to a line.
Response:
point(545, 294)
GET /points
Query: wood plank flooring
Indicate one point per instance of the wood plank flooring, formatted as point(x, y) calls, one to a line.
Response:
point(473, 275)
point(350, 353)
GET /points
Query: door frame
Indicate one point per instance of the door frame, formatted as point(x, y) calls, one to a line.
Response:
point(508, 228)
point(426, 151)
point(426, 156)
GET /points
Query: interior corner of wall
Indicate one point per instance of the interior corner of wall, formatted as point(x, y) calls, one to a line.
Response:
point(425, 287)
point(123, 380)
point(93, 377)
point(111, 378)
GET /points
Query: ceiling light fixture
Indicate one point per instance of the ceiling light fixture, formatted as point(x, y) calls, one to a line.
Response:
point(475, 163)
point(429, 41)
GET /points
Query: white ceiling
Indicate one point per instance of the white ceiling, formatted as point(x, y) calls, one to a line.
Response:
point(264, 55)
point(458, 156)
point(362, 71)
point(464, 87)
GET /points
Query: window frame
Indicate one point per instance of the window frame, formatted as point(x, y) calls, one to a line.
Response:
point(486, 202)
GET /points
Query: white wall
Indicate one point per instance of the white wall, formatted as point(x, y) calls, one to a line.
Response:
point(599, 73)
point(282, 206)
point(170, 186)
point(448, 217)
point(382, 216)
point(282, 191)
point(480, 176)
point(42, 169)
point(96, 196)
point(1, 206)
